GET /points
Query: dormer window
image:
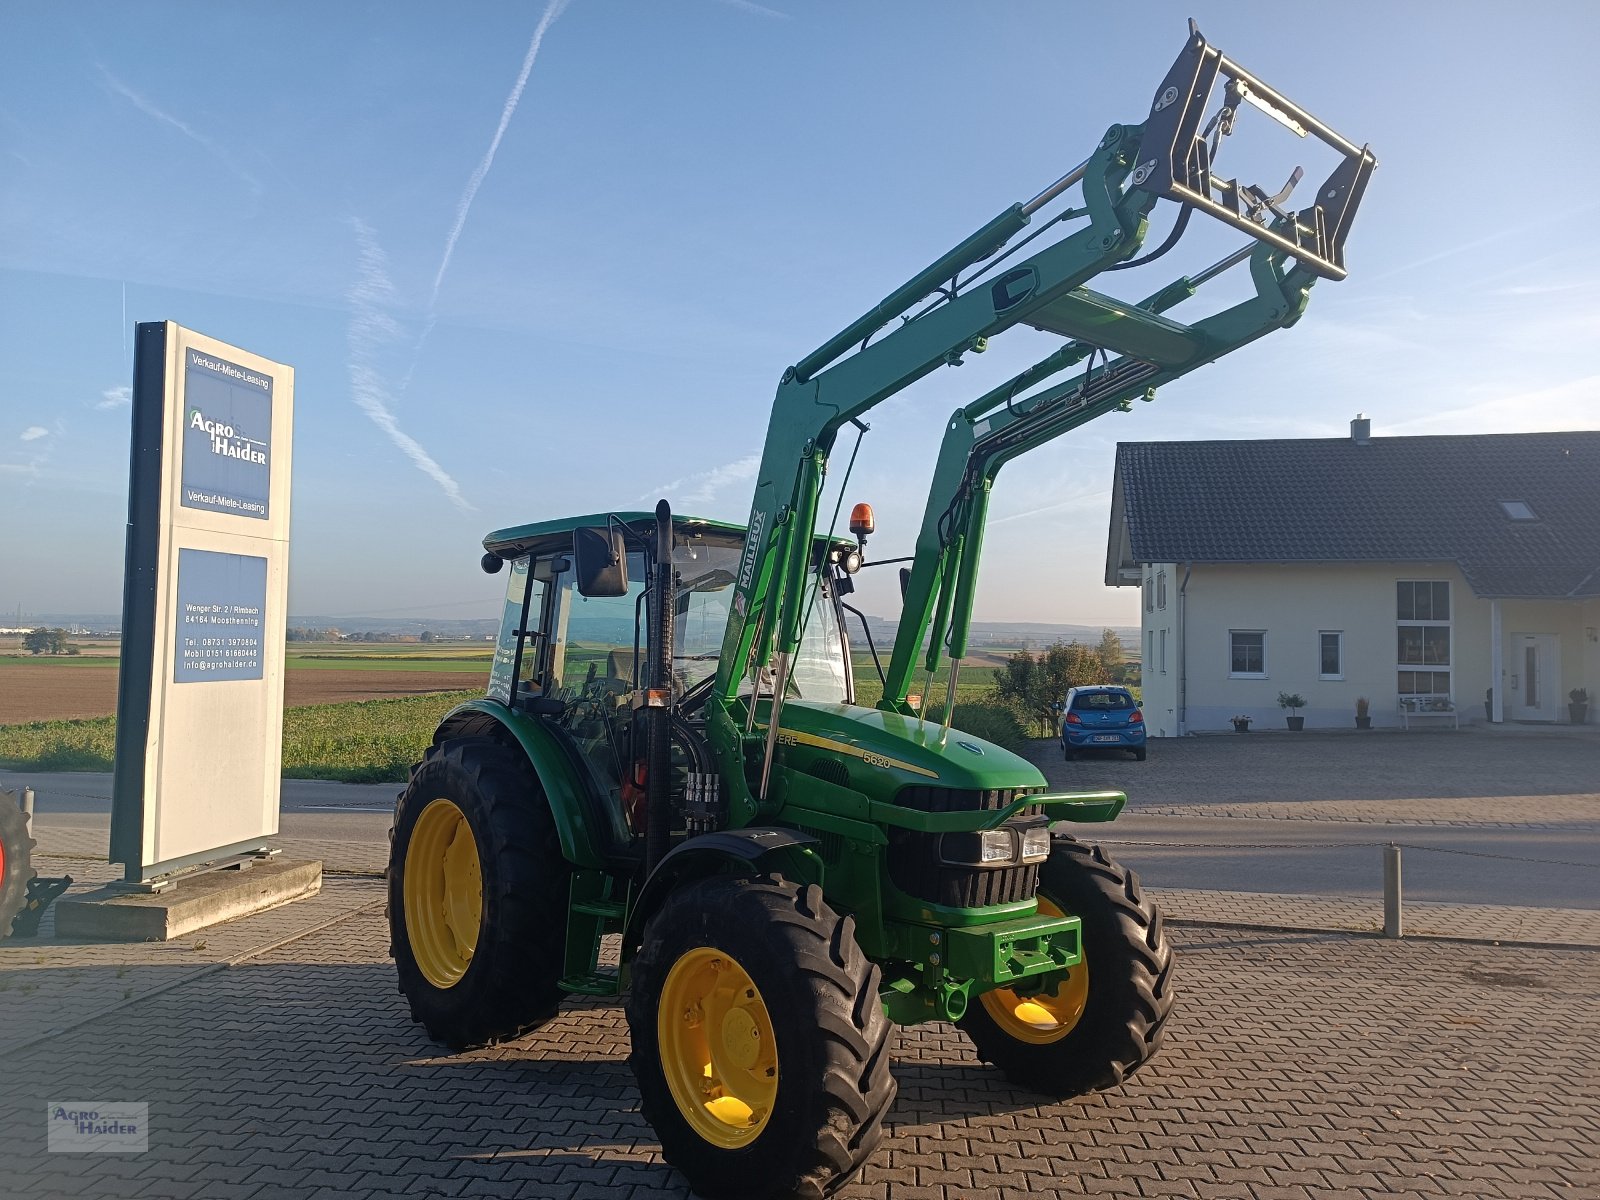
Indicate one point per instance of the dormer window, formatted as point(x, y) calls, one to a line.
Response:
point(1518, 510)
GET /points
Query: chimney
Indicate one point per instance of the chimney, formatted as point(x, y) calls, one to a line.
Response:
point(1361, 430)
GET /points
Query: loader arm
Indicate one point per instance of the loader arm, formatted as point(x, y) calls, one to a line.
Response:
point(982, 288)
point(1004, 424)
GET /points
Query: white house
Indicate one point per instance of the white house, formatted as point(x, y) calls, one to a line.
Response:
point(1412, 571)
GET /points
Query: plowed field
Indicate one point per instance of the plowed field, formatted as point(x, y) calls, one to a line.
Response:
point(58, 691)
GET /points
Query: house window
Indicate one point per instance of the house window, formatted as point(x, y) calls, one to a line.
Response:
point(1161, 590)
point(1149, 595)
point(1247, 654)
point(1163, 651)
point(1422, 637)
point(1330, 649)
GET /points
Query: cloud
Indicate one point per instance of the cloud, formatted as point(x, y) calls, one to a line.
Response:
point(759, 9)
point(1573, 404)
point(507, 111)
point(703, 486)
point(151, 110)
point(34, 432)
point(117, 397)
point(372, 330)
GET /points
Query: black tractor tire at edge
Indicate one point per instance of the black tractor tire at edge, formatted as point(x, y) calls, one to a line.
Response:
point(1130, 981)
point(833, 1038)
point(18, 868)
point(512, 983)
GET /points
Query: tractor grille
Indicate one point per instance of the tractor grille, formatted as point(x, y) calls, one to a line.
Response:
point(914, 865)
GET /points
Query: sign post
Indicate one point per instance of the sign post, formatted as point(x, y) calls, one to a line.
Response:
point(200, 699)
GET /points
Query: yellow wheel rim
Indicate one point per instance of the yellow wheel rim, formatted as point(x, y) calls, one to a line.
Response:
point(443, 893)
point(717, 1048)
point(1042, 1017)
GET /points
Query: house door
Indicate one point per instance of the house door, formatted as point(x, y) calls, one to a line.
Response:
point(1534, 686)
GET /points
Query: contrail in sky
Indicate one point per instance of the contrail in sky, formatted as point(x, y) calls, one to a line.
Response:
point(371, 328)
point(151, 110)
point(473, 184)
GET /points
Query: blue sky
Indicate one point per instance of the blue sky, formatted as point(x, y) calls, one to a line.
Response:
point(506, 305)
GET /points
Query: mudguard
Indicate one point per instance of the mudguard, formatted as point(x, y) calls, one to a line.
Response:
point(753, 848)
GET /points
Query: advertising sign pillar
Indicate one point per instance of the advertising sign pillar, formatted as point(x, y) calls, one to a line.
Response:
point(200, 697)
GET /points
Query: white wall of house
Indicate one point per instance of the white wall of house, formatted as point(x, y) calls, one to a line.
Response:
point(1292, 607)
point(1158, 604)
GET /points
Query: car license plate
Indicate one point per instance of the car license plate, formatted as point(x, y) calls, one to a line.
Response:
point(1106, 737)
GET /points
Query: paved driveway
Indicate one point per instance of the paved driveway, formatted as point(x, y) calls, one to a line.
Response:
point(1297, 1066)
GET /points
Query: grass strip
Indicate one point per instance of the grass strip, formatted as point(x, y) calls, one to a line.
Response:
point(365, 741)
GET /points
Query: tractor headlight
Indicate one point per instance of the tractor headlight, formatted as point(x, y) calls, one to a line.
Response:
point(981, 848)
point(1036, 844)
point(1004, 847)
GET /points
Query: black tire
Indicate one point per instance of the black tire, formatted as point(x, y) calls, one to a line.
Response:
point(1130, 982)
point(1068, 753)
point(832, 1038)
point(1140, 753)
point(512, 982)
point(16, 861)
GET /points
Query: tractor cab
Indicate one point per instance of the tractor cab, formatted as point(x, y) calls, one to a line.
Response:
point(574, 648)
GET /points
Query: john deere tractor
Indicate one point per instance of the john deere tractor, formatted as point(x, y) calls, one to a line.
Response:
point(670, 753)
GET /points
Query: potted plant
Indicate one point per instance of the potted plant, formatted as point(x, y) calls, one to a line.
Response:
point(1241, 724)
point(1363, 713)
point(1578, 710)
point(1293, 701)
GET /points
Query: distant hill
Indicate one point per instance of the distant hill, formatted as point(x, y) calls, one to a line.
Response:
point(1000, 635)
point(1013, 635)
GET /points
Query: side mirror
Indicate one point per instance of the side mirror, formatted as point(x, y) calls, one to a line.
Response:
point(601, 561)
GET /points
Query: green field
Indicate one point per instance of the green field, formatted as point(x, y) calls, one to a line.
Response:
point(374, 741)
point(370, 741)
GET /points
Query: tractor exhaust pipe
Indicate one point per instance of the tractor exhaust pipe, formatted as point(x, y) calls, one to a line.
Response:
point(658, 772)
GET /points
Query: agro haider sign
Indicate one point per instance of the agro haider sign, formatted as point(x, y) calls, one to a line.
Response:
point(227, 432)
point(200, 697)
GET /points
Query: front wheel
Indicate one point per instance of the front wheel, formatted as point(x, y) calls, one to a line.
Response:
point(477, 895)
point(759, 1044)
point(1104, 1019)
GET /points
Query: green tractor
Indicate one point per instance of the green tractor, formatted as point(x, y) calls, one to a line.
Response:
point(670, 753)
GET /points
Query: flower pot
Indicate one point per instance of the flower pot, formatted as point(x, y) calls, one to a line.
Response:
point(1296, 724)
point(1241, 726)
point(1363, 722)
point(1579, 712)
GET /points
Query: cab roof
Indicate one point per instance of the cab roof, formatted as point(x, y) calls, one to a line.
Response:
point(542, 536)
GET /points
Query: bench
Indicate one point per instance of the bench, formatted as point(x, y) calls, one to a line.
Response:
point(1423, 708)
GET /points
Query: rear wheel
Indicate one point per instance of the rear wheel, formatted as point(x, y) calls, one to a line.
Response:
point(759, 1044)
point(1139, 754)
point(477, 895)
point(1104, 1019)
point(16, 861)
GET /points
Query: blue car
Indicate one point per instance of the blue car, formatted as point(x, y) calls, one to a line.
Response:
point(1101, 718)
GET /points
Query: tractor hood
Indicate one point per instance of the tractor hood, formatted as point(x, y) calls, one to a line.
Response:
point(914, 752)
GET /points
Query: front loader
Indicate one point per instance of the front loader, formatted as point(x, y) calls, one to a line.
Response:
point(669, 791)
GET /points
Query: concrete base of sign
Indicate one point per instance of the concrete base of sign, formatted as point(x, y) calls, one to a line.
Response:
point(113, 915)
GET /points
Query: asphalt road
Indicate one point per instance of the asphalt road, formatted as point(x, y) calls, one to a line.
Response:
point(1557, 866)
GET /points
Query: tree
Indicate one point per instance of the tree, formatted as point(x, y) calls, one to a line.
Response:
point(45, 641)
point(1036, 685)
point(1110, 652)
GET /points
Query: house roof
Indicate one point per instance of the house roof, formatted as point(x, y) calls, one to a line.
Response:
point(1388, 499)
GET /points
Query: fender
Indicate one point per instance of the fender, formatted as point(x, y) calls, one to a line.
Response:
point(564, 788)
point(753, 848)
